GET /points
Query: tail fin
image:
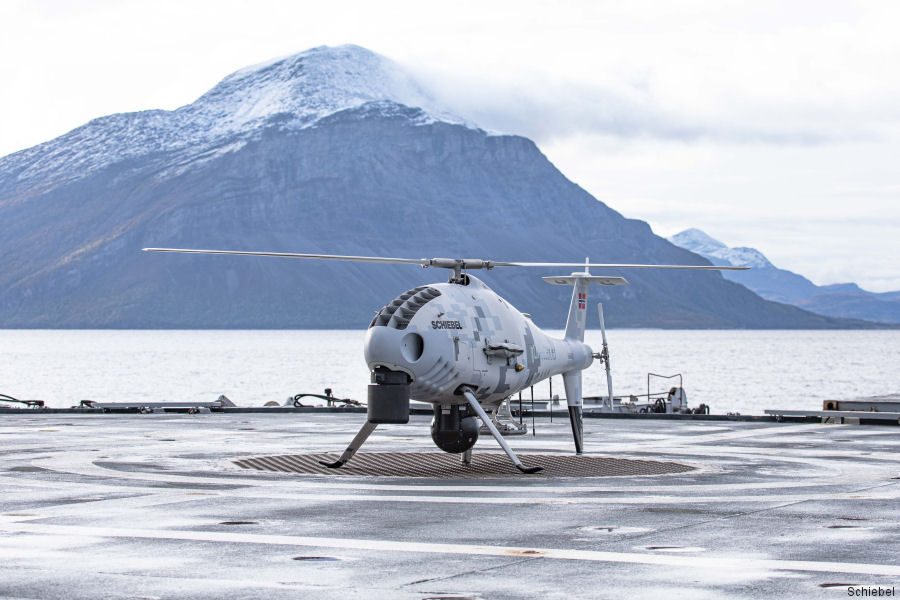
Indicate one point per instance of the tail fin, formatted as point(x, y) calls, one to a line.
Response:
point(580, 283)
point(578, 307)
point(572, 381)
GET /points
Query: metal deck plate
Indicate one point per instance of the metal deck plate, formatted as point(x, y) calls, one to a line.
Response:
point(439, 464)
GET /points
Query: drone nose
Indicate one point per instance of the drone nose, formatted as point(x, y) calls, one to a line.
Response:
point(429, 358)
point(396, 349)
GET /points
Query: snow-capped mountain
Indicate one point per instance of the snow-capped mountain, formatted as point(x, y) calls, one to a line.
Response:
point(332, 151)
point(309, 86)
point(838, 300)
point(295, 92)
point(704, 245)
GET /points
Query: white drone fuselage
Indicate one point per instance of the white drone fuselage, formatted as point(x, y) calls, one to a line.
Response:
point(449, 335)
point(461, 347)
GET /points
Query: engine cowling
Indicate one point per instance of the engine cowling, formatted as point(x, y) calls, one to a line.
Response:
point(454, 429)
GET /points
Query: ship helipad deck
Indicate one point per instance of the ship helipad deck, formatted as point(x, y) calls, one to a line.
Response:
point(160, 506)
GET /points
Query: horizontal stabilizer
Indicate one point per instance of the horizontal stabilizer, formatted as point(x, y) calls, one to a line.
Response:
point(599, 280)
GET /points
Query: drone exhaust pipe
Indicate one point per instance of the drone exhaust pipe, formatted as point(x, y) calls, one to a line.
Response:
point(388, 397)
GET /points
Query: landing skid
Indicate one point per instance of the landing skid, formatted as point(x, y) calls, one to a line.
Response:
point(466, 457)
point(473, 402)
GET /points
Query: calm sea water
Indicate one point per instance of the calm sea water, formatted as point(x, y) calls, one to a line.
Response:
point(743, 371)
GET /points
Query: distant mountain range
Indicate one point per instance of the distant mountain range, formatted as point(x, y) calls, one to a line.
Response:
point(333, 150)
point(838, 300)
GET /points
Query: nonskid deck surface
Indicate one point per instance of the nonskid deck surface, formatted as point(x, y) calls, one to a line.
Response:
point(439, 464)
point(154, 506)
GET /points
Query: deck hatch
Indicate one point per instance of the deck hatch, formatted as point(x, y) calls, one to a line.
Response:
point(442, 465)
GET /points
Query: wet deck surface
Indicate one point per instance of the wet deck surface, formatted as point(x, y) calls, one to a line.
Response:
point(153, 506)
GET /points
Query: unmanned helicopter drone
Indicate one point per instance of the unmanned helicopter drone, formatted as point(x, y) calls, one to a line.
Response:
point(462, 348)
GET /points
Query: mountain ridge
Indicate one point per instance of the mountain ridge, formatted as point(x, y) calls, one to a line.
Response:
point(295, 91)
point(843, 300)
point(375, 178)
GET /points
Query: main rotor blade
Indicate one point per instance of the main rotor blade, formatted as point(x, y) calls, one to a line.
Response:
point(445, 263)
point(374, 259)
point(617, 266)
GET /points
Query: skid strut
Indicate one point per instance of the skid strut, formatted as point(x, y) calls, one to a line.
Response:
point(358, 441)
point(473, 402)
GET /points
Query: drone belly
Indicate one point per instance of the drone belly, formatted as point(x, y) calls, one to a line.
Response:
point(437, 378)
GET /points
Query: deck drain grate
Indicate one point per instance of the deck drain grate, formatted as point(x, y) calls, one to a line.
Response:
point(434, 464)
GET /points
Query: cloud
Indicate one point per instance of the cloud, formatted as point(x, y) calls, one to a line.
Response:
point(767, 73)
point(829, 211)
point(556, 109)
point(730, 116)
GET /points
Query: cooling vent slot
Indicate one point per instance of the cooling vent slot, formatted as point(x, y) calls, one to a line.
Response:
point(399, 311)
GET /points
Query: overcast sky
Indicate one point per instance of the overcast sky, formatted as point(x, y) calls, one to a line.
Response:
point(768, 124)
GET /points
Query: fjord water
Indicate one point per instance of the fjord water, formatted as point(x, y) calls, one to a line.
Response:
point(730, 370)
